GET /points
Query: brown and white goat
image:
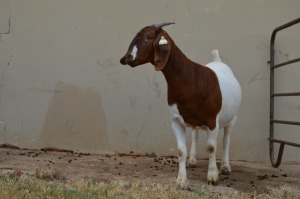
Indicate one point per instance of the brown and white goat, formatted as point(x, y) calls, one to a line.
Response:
point(204, 98)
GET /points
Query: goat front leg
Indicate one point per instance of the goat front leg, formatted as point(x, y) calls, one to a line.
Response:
point(193, 152)
point(211, 149)
point(180, 134)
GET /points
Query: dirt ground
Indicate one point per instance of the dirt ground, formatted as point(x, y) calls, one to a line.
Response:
point(246, 176)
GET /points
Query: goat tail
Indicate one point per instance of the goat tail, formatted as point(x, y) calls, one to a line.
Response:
point(216, 55)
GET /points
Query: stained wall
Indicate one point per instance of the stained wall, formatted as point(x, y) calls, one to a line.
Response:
point(61, 83)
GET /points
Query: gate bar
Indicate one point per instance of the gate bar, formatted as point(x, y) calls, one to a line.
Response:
point(276, 163)
point(285, 122)
point(285, 142)
point(286, 63)
point(285, 94)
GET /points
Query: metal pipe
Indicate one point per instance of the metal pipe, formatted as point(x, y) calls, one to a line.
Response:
point(285, 63)
point(276, 163)
point(285, 142)
point(285, 122)
point(285, 94)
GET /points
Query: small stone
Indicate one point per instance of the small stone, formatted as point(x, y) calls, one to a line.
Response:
point(17, 173)
point(261, 177)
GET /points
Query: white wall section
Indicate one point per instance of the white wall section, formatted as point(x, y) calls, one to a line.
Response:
point(61, 83)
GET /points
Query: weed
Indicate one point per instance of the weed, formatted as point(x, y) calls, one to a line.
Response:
point(43, 186)
point(151, 155)
point(50, 175)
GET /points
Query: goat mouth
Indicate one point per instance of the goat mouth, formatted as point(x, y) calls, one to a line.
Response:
point(132, 63)
point(124, 59)
point(128, 60)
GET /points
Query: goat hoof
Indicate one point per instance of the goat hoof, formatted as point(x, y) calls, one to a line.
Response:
point(212, 177)
point(182, 184)
point(192, 165)
point(225, 170)
point(192, 162)
point(213, 183)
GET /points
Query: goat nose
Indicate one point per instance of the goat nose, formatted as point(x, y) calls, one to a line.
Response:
point(123, 60)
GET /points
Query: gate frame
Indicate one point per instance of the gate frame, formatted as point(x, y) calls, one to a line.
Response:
point(273, 66)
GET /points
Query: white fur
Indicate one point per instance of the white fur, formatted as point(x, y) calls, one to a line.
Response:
point(231, 99)
point(175, 114)
point(216, 55)
point(134, 52)
point(225, 166)
point(178, 127)
point(213, 173)
point(230, 89)
point(180, 134)
point(193, 151)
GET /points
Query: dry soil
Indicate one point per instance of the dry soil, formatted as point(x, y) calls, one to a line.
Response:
point(246, 176)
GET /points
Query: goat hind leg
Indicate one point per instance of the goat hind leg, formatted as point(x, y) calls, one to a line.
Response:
point(193, 152)
point(211, 149)
point(225, 165)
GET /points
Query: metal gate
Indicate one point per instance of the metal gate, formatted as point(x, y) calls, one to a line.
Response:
point(273, 66)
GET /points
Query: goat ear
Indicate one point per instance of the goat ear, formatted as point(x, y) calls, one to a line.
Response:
point(162, 47)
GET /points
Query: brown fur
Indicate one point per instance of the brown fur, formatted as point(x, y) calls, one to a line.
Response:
point(180, 153)
point(193, 87)
point(210, 149)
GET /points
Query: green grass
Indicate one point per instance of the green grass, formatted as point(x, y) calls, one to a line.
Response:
point(55, 185)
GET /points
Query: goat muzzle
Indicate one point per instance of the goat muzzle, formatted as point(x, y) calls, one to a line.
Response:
point(128, 60)
point(124, 60)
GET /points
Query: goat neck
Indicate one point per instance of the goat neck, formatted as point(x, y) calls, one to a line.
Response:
point(181, 75)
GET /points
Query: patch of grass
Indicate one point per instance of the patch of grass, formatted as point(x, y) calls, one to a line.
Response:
point(52, 174)
point(43, 186)
point(151, 155)
point(285, 192)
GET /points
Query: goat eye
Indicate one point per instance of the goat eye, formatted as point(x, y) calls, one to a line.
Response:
point(148, 39)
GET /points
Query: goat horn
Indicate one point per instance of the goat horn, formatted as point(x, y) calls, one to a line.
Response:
point(162, 24)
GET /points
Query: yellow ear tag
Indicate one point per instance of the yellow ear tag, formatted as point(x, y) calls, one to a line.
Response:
point(162, 41)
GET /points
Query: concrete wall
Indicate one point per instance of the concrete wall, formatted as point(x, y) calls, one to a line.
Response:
point(61, 83)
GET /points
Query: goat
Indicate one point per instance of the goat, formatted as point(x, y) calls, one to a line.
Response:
point(205, 98)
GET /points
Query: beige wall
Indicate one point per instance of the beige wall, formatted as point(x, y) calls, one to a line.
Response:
point(61, 83)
